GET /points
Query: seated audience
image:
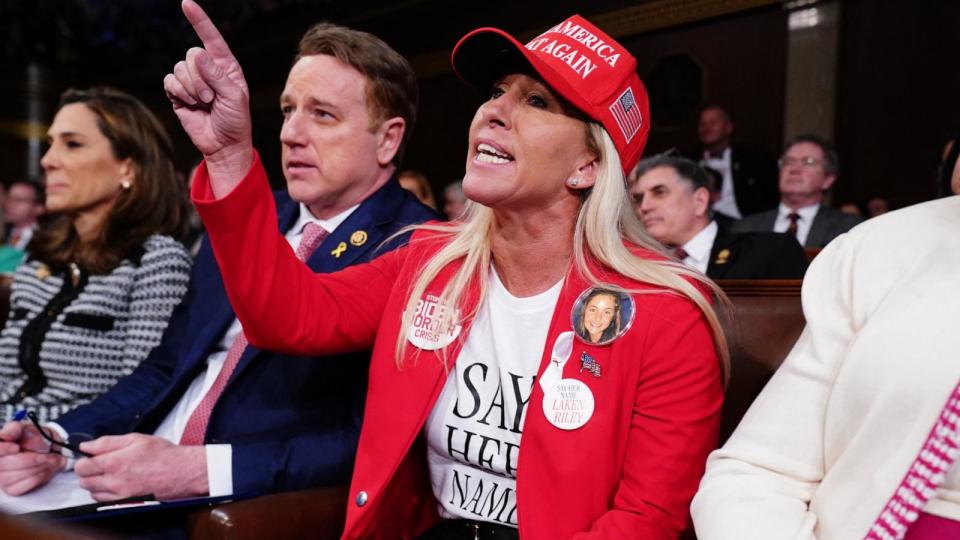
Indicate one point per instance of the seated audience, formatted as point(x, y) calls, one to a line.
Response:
point(467, 316)
point(671, 196)
point(207, 413)
point(851, 209)
point(856, 435)
point(416, 182)
point(877, 206)
point(808, 168)
point(21, 208)
point(748, 175)
point(101, 279)
point(454, 201)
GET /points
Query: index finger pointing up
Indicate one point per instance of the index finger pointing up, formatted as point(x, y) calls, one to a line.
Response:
point(211, 38)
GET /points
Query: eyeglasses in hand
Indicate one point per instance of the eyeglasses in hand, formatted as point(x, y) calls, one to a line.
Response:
point(62, 444)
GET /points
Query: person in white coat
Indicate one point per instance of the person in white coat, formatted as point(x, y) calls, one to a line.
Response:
point(857, 433)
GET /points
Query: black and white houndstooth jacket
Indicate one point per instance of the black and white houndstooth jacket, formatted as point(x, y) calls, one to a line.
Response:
point(109, 325)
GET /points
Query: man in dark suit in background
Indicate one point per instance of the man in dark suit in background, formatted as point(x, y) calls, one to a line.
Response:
point(749, 175)
point(671, 196)
point(206, 413)
point(808, 168)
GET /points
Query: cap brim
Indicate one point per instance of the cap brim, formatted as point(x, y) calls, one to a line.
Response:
point(485, 54)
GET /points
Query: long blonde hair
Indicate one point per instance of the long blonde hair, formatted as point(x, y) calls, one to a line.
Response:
point(604, 221)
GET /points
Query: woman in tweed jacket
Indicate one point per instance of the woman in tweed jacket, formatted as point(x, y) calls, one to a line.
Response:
point(103, 275)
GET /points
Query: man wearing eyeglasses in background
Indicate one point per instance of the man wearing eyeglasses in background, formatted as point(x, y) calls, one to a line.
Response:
point(808, 168)
point(671, 196)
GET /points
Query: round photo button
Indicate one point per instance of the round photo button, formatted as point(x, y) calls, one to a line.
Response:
point(602, 314)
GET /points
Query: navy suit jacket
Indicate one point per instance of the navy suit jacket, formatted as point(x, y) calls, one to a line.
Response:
point(292, 422)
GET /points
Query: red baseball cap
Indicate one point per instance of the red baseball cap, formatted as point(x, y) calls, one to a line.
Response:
point(580, 62)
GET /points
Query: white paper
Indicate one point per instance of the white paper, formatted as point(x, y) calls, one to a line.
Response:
point(62, 491)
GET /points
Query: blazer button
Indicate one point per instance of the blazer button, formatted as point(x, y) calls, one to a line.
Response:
point(361, 498)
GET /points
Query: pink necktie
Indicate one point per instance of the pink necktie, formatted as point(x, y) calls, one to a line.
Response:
point(196, 429)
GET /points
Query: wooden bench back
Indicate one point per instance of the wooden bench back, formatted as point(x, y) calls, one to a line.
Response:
point(766, 321)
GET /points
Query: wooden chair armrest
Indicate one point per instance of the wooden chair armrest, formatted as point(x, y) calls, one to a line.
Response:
point(311, 513)
point(30, 528)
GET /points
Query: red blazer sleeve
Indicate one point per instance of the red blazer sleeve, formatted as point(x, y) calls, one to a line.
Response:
point(675, 425)
point(283, 306)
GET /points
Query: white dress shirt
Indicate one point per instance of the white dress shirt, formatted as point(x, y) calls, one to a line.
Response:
point(806, 213)
point(727, 204)
point(698, 248)
point(220, 456)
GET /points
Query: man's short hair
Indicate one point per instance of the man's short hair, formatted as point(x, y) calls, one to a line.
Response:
point(831, 161)
point(391, 88)
point(686, 169)
point(718, 107)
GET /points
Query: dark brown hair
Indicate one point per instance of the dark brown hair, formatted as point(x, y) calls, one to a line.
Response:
point(155, 203)
point(391, 88)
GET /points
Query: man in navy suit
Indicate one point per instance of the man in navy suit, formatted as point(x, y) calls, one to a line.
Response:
point(279, 423)
point(671, 196)
point(808, 168)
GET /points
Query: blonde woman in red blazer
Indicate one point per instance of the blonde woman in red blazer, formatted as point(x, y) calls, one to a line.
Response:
point(468, 435)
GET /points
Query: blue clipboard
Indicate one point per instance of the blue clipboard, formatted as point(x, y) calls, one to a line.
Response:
point(132, 505)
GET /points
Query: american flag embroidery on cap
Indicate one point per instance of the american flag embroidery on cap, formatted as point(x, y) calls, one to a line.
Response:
point(627, 114)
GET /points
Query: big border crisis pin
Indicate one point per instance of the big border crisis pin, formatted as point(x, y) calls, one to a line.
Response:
point(602, 314)
point(433, 327)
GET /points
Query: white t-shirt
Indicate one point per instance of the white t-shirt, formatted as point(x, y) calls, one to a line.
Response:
point(473, 432)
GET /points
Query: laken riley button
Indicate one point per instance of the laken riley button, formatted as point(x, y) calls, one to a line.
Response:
point(568, 404)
